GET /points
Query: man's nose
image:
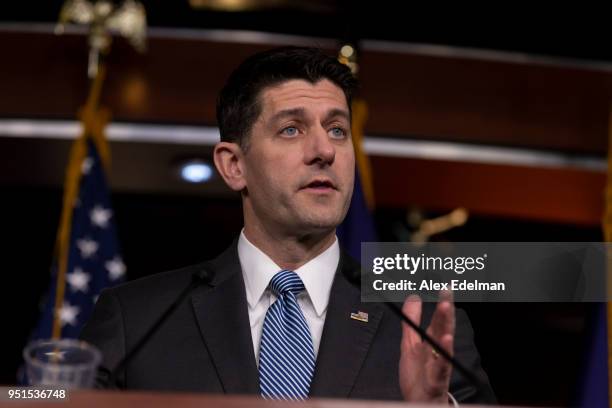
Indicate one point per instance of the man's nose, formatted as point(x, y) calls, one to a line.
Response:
point(319, 147)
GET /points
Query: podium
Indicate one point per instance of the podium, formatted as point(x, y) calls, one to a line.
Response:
point(119, 399)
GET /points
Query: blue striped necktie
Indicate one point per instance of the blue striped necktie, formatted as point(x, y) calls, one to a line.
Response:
point(286, 354)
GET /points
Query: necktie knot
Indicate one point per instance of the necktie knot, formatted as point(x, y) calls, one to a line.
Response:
point(286, 281)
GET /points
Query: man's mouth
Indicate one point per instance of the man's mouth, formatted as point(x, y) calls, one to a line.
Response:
point(320, 185)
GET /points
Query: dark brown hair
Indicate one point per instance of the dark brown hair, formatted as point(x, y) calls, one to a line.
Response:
point(238, 105)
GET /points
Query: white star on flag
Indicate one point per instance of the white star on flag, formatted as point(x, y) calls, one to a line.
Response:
point(100, 216)
point(87, 246)
point(68, 314)
point(78, 280)
point(115, 267)
point(86, 165)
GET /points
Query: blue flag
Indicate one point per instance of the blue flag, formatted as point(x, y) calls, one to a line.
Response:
point(594, 388)
point(94, 261)
point(358, 226)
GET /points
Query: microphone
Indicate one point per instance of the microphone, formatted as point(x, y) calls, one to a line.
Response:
point(397, 310)
point(203, 276)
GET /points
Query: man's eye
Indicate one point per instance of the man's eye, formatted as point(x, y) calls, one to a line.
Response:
point(290, 131)
point(337, 132)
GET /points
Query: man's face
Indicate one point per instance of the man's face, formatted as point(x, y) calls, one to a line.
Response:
point(299, 166)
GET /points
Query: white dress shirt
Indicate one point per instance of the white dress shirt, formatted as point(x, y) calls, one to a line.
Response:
point(317, 275)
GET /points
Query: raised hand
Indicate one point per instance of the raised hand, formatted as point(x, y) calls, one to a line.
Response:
point(424, 375)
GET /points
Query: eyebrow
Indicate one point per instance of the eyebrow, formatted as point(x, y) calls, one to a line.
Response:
point(288, 112)
point(301, 112)
point(337, 113)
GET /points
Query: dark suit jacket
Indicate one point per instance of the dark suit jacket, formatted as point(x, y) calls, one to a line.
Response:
point(206, 344)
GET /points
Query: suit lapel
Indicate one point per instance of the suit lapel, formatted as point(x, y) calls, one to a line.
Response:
point(345, 342)
point(222, 314)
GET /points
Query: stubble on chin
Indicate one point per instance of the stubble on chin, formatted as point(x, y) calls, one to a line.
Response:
point(322, 218)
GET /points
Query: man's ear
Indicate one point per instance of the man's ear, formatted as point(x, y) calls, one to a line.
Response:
point(229, 161)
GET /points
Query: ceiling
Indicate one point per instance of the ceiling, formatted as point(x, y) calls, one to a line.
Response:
point(572, 31)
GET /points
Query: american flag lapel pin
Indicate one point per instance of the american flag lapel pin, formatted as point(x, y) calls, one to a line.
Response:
point(361, 316)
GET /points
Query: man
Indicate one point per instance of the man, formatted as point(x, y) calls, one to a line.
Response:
point(276, 318)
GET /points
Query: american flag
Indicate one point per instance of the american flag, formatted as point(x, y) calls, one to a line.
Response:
point(94, 262)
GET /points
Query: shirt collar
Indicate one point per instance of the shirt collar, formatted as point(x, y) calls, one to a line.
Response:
point(317, 274)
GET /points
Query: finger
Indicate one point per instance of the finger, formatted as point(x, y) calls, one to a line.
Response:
point(447, 297)
point(443, 319)
point(412, 309)
point(440, 368)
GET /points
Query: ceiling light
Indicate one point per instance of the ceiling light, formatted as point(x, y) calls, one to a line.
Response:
point(196, 171)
